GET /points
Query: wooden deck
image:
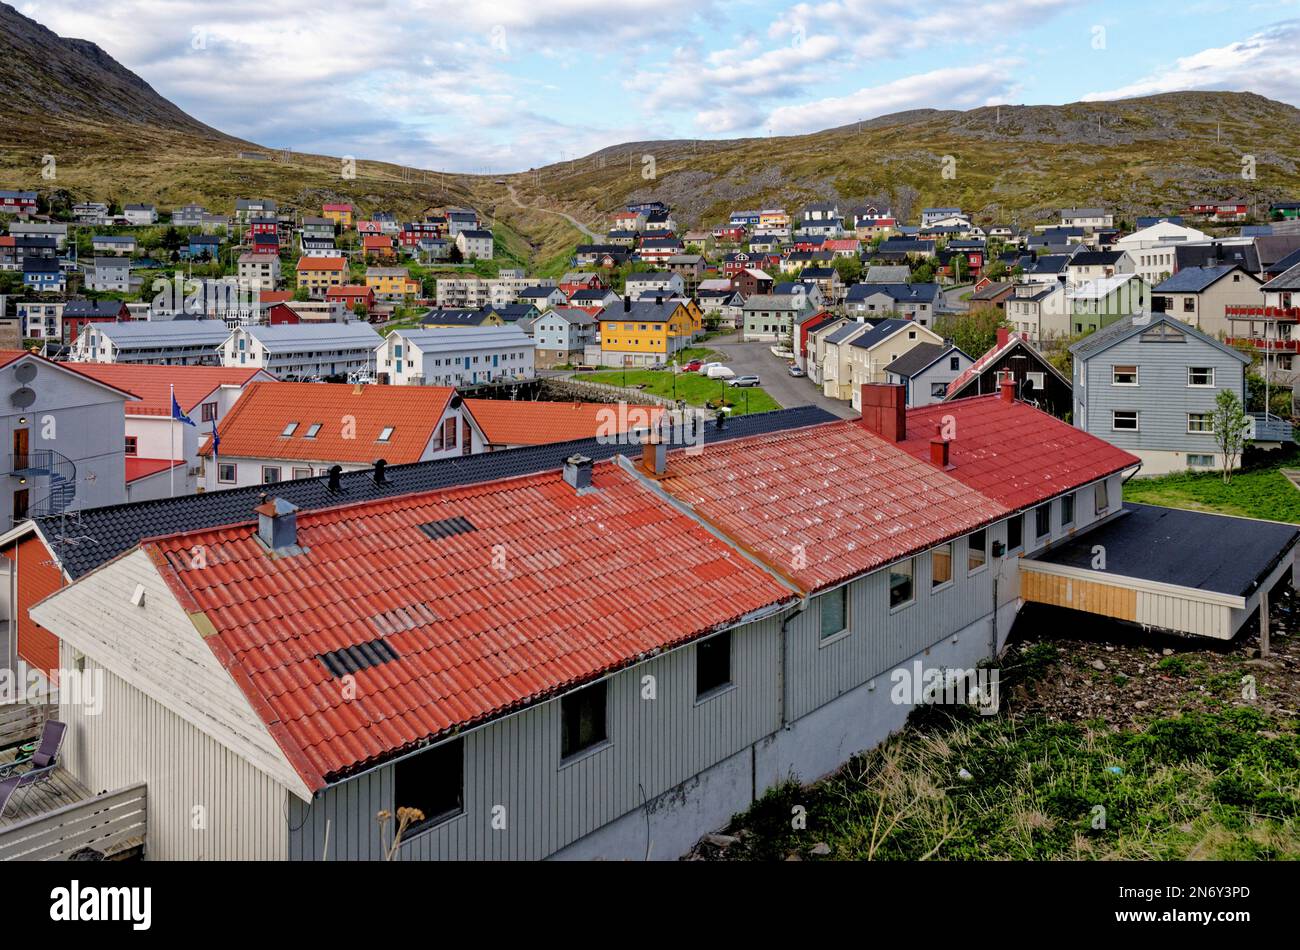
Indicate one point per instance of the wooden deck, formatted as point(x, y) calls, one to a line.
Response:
point(62, 789)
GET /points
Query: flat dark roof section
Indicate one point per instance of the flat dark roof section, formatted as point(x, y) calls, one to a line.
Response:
point(1216, 553)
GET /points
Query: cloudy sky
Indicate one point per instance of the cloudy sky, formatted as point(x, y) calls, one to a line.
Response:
point(464, 85)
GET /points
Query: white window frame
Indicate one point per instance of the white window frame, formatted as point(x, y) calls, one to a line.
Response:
point(1205, 417)
point(1192, 385)
point(1137, 421)
point(1114, 373)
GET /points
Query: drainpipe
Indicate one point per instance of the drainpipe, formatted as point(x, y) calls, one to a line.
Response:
point(782, 669)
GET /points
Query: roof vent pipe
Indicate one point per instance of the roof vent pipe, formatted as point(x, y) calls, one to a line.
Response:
point(380, 477)
point(335, 483)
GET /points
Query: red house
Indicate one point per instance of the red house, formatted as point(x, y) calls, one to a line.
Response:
point(265, 244)
point(805, 328)
point(369, 227)
point(733, 234)
point(18, 202)
point(417, 231)
point(350, 295)
point(583, 281)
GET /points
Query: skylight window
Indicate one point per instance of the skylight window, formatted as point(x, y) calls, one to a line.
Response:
point(386, 434)
point(289, 430)
point(312, 430)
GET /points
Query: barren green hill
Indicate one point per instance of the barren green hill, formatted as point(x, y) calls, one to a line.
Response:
point(1008, 163)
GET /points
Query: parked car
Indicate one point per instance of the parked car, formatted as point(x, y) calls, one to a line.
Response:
point(796, 371)
point(743, 381)
point(693, 366)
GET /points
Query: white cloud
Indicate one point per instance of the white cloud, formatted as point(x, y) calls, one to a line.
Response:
point(961, 87)
point(1265, 63)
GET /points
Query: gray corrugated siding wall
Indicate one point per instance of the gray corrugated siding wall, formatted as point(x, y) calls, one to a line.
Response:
point(654, 746)
point(1162, 397)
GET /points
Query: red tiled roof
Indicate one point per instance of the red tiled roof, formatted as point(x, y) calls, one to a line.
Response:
point(138, 468)
point(473, 640)
point(826, 503)
point(252, 429)
point(275, 296)
point(349, 290)
point(152, 383)
point(321, 263)
point(1011, 452)
point(515, 422)
point(978, 366)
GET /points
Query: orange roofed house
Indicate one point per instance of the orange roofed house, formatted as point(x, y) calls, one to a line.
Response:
point(317, 275)
point(282, 431)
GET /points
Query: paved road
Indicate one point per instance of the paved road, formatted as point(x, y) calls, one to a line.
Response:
point(757, 359)
point(592, 235)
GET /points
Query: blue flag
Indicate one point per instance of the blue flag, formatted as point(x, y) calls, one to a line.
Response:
point(178, 415)
point(216, 439)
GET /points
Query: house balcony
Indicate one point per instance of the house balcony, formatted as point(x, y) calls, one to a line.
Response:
point(1236, 312)
point(1270, 346)
point(1266, 427)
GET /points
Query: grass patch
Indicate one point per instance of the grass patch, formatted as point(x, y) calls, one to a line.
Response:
point(1259, 493)
point(697, 390)
point(1220, 786)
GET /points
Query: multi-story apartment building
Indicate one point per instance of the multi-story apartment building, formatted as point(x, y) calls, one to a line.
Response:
point(302, 351)
point(456, 356)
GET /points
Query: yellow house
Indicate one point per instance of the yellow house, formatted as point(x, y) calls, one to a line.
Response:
point(644, 332)
point(773, 218)
point(317, 275)
point(340, 214)
point(391, 282)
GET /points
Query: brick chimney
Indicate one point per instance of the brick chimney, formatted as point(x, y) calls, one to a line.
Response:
point(1007, 387)
point(884, 410)
point(939, 454)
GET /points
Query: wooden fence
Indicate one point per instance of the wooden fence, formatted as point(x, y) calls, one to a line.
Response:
point(21, 722)
point(112, 824)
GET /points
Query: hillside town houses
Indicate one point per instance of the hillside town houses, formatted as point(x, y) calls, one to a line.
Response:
point(416, 460)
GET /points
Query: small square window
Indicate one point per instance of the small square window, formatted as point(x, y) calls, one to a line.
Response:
point(834, 612)
point(386, 434)
point(941, 565)
point(1200, 376)
point(713, 664)
point(270, 474)
point(977, 544)
point(132, 444)
point(1199, 422)
point(1042, 521)
point(901, 590)
point(1124, 420)
point(226, 472)
point(1124, 375)
point(1101, 498)
point(582, 716)
point(312, 430)
point(290, 429)
point(1015, 532)
point(432, 782)
point(1067, 509)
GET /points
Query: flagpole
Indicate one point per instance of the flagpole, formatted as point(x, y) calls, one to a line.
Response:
point(171, 437)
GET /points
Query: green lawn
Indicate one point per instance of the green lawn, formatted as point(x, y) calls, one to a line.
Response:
point(1258, 493)
point(694, 388)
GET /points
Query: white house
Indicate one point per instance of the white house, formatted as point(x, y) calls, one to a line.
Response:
point(1153, 249)
point(302, 350)
point(475, 245)
point(260, 271)
point(666, 283)
point(456, 356)
point(140, 215)
point(162, 453)
point(562, 334)
point(110, 274)
point(170, 342)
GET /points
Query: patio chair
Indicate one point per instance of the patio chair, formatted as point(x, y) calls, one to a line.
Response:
point(38, 769)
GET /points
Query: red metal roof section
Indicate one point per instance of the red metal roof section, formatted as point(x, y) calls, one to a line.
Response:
point(516, 422)
point(138, 468)
point(1012, 452)
point(979, 365)
point(547, 590)
point(351, 420)
point(825, 503)
point(153, 383)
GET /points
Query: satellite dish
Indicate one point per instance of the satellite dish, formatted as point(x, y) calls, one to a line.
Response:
point(25, 373)
point(22, 398)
